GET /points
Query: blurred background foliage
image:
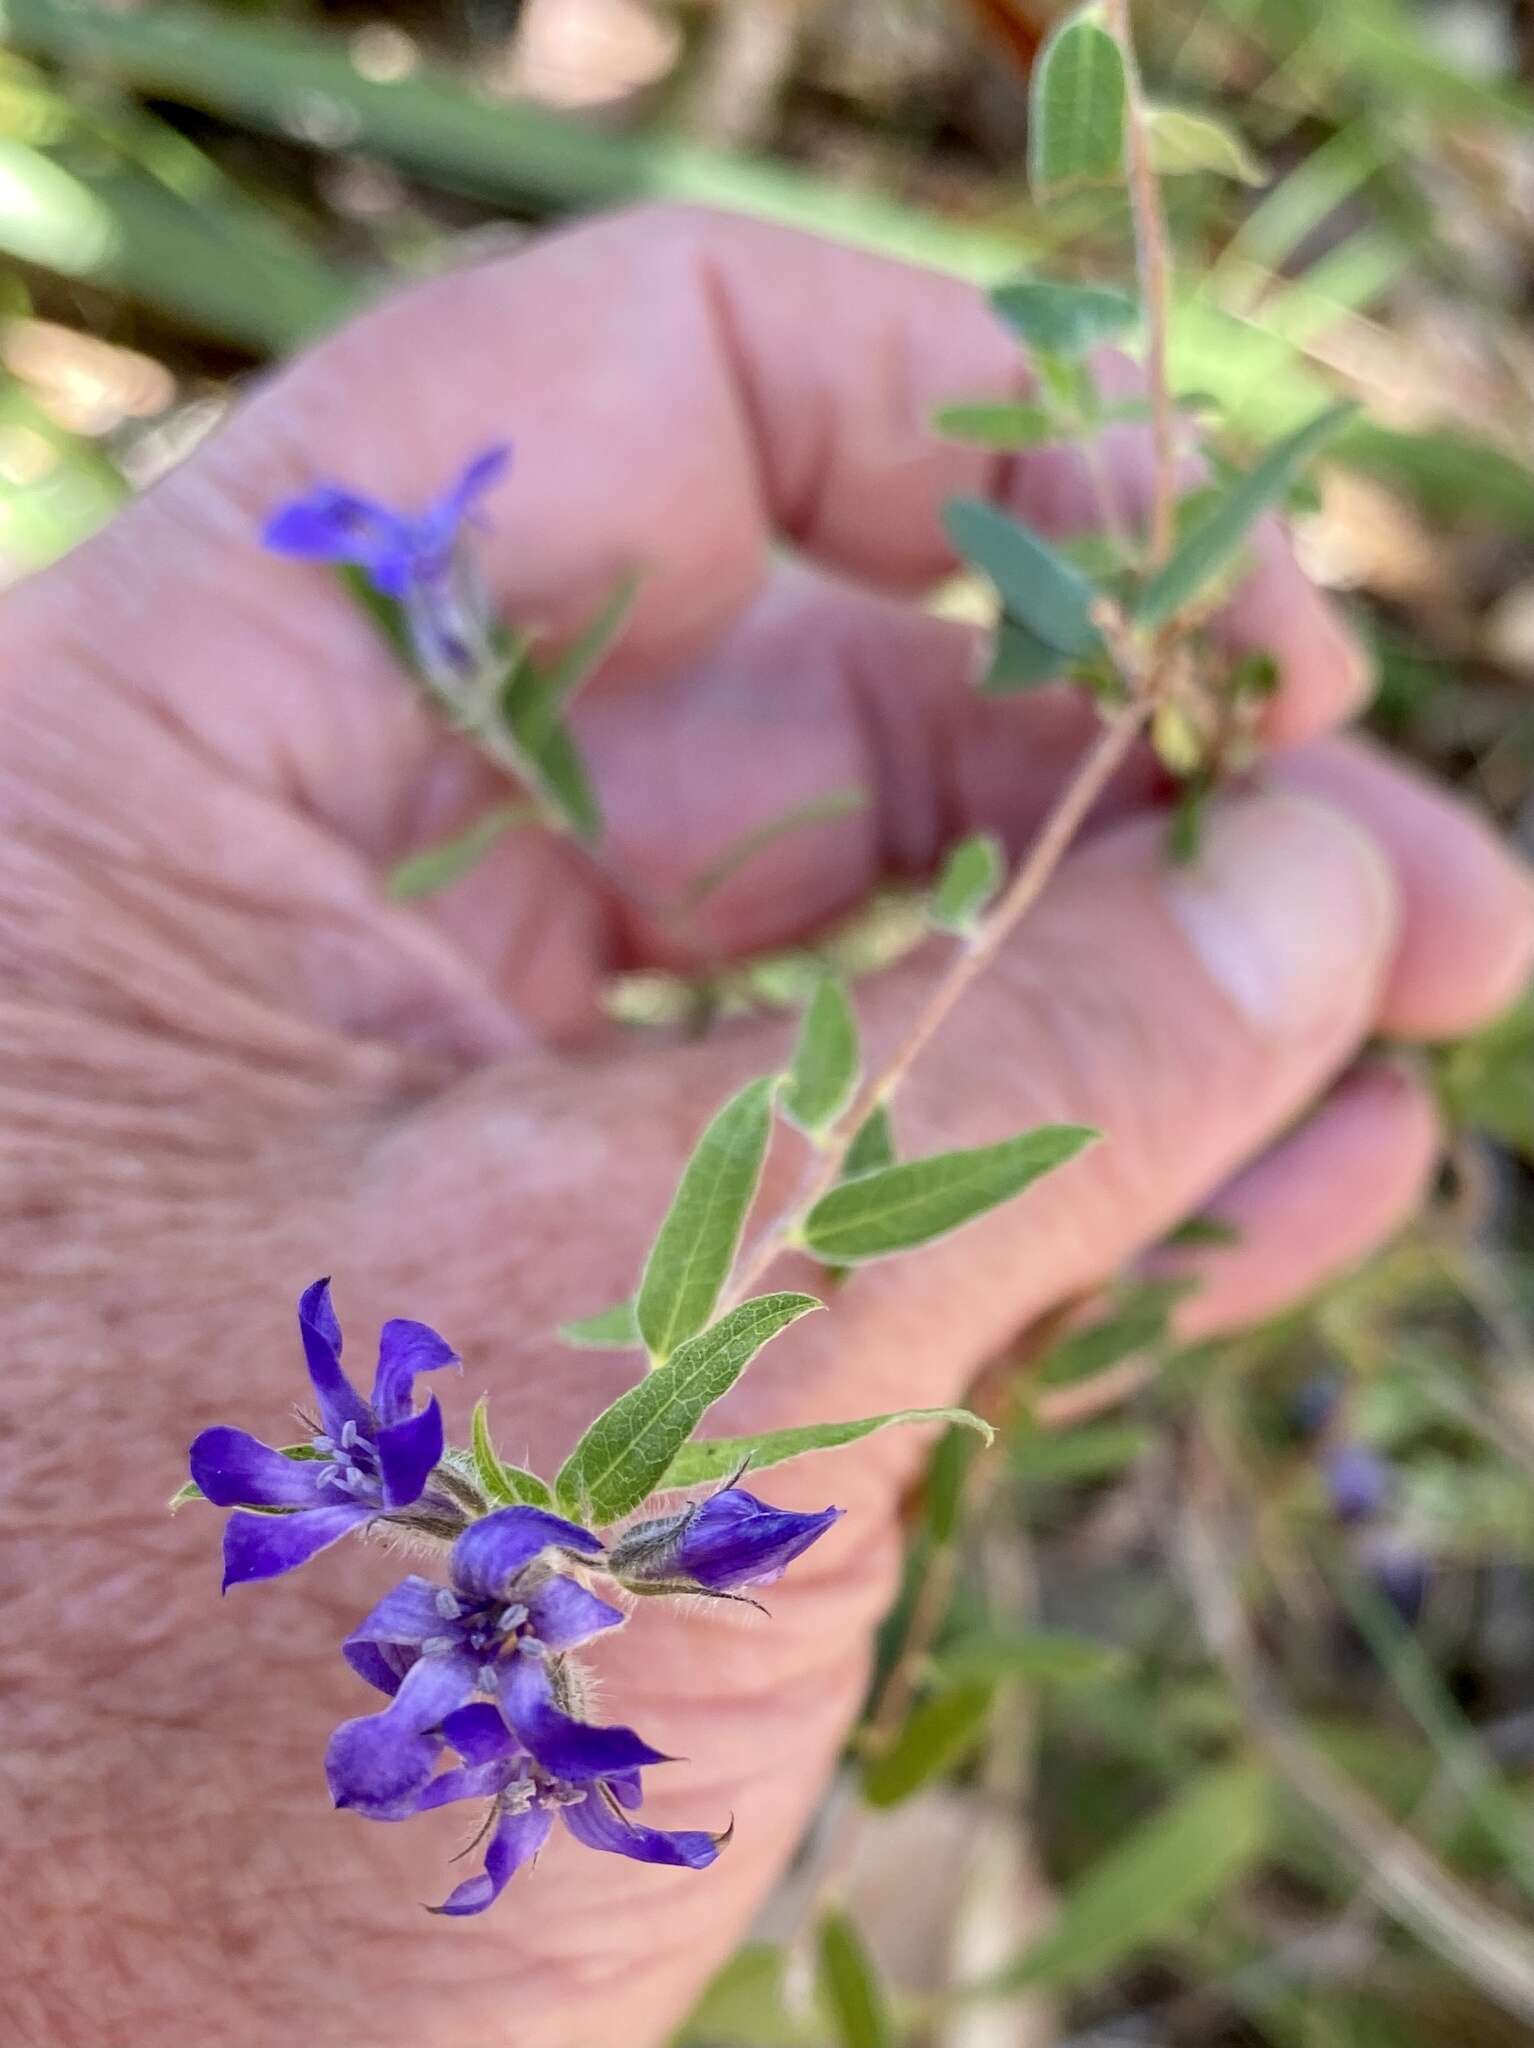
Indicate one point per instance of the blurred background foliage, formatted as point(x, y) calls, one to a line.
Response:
point(1227, 1730)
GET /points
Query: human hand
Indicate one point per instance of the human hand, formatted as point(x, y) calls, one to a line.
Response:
point(232, 1063)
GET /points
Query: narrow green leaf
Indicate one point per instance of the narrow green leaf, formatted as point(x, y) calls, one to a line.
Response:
point(1167, 1874)
point(556, 769)
point(1038, 586)
point(1202, 1233)
point(1138, 1321)
point(1217, 537)
point(873, 1144)
point(818, 810)
point(903, 1206)
point(423, 873)
point(626, 1452)
point(945, 1484)
point(700, 1463)
point(1182, 141)
point(1036, 1656)
point(559, 679)
point(1065, 319)
point(746, 2006)
point(1076, 110)
point(849, 1990)
point(939, 1734)
point(1089, 1451)
point(502, 1485)
point(697, 1243)
point(825, 1066)
point(610, 1329)
point(971, 876)
point(1000, 424)
point(1020, 660)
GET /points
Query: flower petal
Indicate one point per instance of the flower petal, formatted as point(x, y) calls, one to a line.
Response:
point(479, 1734)
point(407, 1453)
point(481, 473)
point(410, 1614)
point(236, 1471)
point(266, 1546)
point(382, 1763)
point(567, 1748)
point(735, 1539)
point(517, 1839)
point(476, 1781)
point(564, 1614)
point(594, 1823)
point(377, 1664)
point(339, 1400)
point(404, 1349)
point(491, 1551)
point(331, 524)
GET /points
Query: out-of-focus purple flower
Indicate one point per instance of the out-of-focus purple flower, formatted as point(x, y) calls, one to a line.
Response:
point(1313, 1404)
point(482, 1667)
point(1357, 1481)
point(371, 1457)
point(724, 1543)
point(413, 559)
point(1402, 1577)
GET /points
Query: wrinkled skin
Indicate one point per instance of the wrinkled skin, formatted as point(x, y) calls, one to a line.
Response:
point(231, 1064)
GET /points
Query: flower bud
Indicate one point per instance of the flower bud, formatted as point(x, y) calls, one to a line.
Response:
point(727, 1542)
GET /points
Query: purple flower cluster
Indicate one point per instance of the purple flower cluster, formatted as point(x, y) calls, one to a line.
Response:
point(479, 1669)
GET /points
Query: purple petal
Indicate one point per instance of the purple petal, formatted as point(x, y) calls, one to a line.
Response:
point(517, 1839)
point(735, 1539)
point(330, 524)
point(235, 1471)
point(479, 1734)
point(563, 1614)
point(383, 1667)
point(569, 1749)
point(407, 1453)
point(339, 1400)
point(480, 474)
point(410, 1614)
point(491, 1551)
point(266, 1546)
point(594, 1823)
point(405, 1349)
point(626, 1788)
point(382, 1763)
point(477, 1781)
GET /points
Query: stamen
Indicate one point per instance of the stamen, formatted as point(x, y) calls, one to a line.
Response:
point(447, 1605)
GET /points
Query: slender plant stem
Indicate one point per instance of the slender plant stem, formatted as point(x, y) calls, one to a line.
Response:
point(1153, 259)
point(1060, 828)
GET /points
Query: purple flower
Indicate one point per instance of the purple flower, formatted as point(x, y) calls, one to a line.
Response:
point(413, 559)
point(483, 1667)
point(1357, 1481)
point(371, 1456)
point(724, 1543)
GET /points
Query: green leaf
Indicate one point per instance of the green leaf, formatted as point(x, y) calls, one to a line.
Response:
point(549, 686)
point(1000, 424)
point(1152, 1885)
point(1076, 110)
point(626, 1452)
point(699, 1464)
point(900, 1207)
point(1202, 1233)
point(1182, 141)
point(423, 873)
point(1020, 660)
point(1065, 319)
point(1218, 536)
point(939, 1734)
point(971, 876)
point(545, 753)
point(873, 1145)
point(817, 810)
point(192, 1491)
point(849, 1990)
point(745, 2006)
point(697, 1243)
point(1038, 586)
point(610, 1329)
point(502, 1485)
point(1140, 1320)
point(825, 1066)
point(945, 1483)
point(1036, 1656)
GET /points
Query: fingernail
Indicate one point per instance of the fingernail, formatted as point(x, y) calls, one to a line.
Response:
point(1291, 909)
